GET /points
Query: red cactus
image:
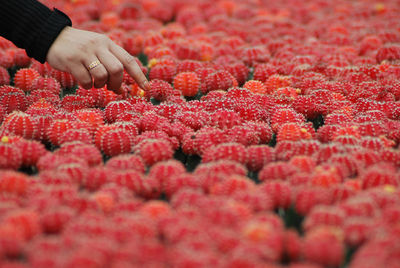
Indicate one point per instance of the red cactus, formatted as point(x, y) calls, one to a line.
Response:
point(116, 141)
point(324, 246)
point(86, 152)
point(24, 78)
point(77, 172)
point(306, 198)
point(99, 176)
point(65, 79)
point(188, 66)
point(357, 230)
point(159, 134)
point(293, 245)
point(226, 151)
point(72, 103)
point(365, 157)
point(303, 163)
point(239, 71)
point(360, 206)
point(43, 69)
point(225, 119)
point(151, 121)
point(185, 50)
point(345, 164)
point(194, 120)
point(20, 124)
point(389, 52)
point(43, 123)
point(376, 176)
point(253, 55)
point(323, 215)
point(160, 90)
point(20, 58)
point(114, 108)
point(164, 171)
point(154, 150)
point(231, 185)
point(39, 95)
point(188, 83)
point(326, 132)
point(54, 220)
point(219, 80)
point(263, 71)
point(337, 119)
point(285, 150)
point(282, 116)
point(26, 220)
point(162, 72)
point(279, 191)
point(57, 129)
point(258, 156)
point(263, 129)
point(14, 182)
point(13, 101)
point(202, 73)
point(70, 135)
point(126, 161)
point(244, 135)
point(31, 151)
point(375, 129)
point(131, 179)
point(4, 76)
point(94, 117)
point(2, 114)
point(276, 171)
point(46, 83)
point(223, 167)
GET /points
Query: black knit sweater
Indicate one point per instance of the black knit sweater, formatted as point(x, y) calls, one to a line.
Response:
point(31, 25)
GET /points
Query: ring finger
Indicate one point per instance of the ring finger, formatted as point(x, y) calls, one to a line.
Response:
point(98, 72)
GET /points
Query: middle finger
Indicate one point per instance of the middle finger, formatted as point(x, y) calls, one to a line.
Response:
point(114, 69)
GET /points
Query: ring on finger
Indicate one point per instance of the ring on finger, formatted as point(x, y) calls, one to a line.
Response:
point(94, 64)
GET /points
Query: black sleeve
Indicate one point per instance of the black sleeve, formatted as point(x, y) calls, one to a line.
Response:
point(31, 25)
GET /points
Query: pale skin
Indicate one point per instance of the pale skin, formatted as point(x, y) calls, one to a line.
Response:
point(74, 50)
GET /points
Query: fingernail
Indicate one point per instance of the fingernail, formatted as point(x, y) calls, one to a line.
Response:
point(146, 85)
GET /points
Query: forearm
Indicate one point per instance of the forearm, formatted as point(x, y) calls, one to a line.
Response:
point(31, 25)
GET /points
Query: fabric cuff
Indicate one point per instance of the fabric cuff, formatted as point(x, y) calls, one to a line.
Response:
point(48, 34)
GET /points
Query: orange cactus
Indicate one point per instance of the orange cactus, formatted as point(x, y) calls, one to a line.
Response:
point(256, 87)
point(277, 81)
point(188, 83)
point(325, 177)
point(292, 132)
point(155, 209)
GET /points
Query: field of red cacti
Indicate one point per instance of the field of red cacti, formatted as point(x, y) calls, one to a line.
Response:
point(269, 139)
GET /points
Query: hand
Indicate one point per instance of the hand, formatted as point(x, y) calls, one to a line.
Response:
point(74, 50)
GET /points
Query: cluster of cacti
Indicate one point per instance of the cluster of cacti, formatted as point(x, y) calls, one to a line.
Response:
point(269, 138)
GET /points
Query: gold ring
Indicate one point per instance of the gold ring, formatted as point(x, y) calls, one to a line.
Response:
point(94, 64)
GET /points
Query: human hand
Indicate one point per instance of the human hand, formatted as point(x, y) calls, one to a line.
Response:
point(75, 50)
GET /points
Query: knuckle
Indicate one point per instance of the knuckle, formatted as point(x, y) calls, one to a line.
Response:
point(83, 47)
point(86, 85)
point(99, 84)
point(129, 59)
point(117, 69)
point(101, 76)
point(69, 58)
point(86, 82)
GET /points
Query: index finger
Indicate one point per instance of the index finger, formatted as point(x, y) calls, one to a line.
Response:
point(131, 66)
